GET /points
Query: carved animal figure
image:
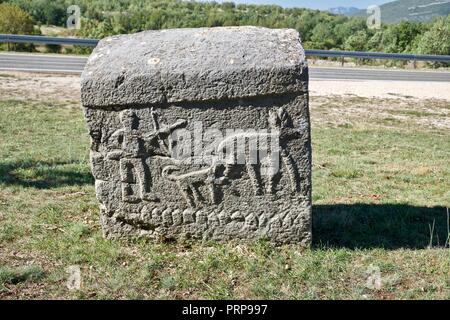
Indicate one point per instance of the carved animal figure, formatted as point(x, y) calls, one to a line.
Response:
point(275, 145)
point(189, 183)
point(282, 131)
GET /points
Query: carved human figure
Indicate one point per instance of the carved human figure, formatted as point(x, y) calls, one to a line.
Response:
point(281, 121)
point(134, 148)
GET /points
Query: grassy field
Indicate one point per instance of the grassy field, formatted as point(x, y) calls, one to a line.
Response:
point(381, 182)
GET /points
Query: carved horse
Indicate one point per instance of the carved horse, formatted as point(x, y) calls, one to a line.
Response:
point(282, 130)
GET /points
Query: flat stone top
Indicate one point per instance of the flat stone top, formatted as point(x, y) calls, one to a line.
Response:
point(179, 65)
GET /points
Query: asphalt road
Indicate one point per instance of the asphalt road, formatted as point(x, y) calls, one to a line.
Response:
point(74, 65)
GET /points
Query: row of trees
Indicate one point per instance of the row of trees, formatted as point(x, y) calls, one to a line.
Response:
point(319, 30)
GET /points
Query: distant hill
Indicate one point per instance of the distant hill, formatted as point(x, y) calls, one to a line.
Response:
point(344, 10)
point(412, 10)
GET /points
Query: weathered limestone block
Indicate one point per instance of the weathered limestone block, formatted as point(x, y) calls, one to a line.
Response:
point(201, 133)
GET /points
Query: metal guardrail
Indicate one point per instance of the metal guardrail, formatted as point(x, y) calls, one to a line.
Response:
point(377, 55)
point(12, 38)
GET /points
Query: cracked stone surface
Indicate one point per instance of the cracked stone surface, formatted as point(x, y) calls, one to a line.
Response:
point(142, 92)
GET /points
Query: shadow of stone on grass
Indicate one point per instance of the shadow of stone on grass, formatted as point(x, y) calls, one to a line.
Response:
point(387, 226)
point(44, 175)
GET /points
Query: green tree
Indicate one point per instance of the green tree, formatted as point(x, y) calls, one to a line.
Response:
point(357, 41)
point(323, 37)
point(14, 20)
point(54, 14)
point(399, 38)
point(375, 42)
point(437, 39)
point(346, 29)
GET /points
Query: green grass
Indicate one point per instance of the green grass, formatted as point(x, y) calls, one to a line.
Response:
point(20, 274)
point(376, 192)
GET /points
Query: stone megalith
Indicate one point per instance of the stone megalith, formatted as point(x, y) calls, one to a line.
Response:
point(201, 133)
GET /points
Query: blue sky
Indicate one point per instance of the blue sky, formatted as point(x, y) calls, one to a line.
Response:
point(317, 4)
